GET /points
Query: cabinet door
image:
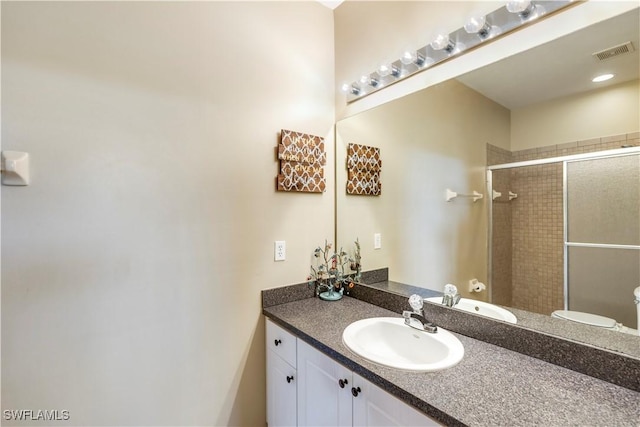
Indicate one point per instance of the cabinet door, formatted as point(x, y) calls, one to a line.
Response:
point(375, 407)
point(324, 389)
point(281, 342)
point(281, 391)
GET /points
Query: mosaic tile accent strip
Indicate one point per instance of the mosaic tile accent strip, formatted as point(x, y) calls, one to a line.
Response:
point(578, 147)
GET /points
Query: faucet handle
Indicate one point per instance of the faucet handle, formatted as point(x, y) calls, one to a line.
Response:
point(450, 289)
point(416, 302)
point(451, 296)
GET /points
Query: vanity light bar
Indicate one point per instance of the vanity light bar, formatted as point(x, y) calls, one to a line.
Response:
point(478, 30)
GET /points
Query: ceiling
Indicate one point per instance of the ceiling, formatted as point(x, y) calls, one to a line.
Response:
point(562, 67)
point(331, 4)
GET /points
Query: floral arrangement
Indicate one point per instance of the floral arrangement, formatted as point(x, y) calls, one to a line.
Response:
point(328, 273)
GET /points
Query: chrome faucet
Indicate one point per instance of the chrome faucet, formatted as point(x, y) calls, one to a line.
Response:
point(416, 303)
point(426, 325)
point(451, 296)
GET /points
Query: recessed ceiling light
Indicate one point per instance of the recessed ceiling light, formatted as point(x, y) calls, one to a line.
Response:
point(602, 78)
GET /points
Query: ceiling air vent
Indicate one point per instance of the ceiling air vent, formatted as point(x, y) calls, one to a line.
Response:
point(621, 49)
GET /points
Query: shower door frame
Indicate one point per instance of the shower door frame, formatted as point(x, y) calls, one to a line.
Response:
point(565, 214)
point(596, 155)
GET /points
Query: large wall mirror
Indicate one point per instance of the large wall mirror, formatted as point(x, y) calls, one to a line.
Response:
point(518, 112)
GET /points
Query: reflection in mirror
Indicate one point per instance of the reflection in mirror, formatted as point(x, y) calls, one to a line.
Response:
point(569, 243)
point(524, 108)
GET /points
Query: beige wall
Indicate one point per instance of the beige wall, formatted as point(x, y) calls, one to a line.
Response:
point(425, 150)
point(133, 264)
point(604, 112)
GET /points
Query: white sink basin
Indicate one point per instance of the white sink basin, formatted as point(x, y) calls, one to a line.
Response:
point(389, 342)
point(481, 308)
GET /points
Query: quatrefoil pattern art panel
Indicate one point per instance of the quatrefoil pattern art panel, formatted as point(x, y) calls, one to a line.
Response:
point(302, 159)
point(364, 166)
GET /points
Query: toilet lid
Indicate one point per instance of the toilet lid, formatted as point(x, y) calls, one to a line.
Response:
point(586, 318)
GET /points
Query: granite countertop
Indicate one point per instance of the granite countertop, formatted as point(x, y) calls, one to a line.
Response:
point(491, 386)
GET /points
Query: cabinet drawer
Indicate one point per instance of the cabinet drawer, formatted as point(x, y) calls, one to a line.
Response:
point(281, 342)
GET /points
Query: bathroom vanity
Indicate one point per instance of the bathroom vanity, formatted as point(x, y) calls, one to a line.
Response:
point(490, 386)
point(308, 388)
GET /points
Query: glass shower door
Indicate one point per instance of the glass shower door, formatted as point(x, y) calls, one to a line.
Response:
point(602, 236)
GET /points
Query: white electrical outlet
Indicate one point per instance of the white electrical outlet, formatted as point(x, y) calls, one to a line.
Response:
point(280, 250)
point(377, 241)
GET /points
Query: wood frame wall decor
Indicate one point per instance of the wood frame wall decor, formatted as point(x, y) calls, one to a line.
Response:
point(302, 159)
point(364, 166)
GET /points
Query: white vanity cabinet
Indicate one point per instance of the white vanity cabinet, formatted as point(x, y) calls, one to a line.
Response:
point(324, 389)
point(307, 388)
point(331, 395)
point(281, 376)
point(375, 407)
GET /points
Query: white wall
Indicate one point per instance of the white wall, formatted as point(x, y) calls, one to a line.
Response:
point(609, 111)
point(133, 264)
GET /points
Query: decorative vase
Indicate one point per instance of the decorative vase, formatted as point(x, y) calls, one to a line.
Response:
point(330, 295)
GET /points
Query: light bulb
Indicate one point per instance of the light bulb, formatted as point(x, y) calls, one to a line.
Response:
point(384, 70)
point(518, 6)
point(352, 88)
point(442, 41)
point(525, 8)
point(409, 57)
point(475, 24)
point(479, 25)
point(369, 80)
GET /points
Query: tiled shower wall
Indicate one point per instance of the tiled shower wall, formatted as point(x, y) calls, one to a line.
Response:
point(527, 232)
point(537, 242)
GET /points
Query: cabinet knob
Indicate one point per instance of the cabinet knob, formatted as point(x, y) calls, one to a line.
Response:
point(289, 378)
point(277, 342)
point(355, 391)
point(343, 382)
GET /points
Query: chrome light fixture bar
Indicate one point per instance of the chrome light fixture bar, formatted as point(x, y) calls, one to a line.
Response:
point(476, 30)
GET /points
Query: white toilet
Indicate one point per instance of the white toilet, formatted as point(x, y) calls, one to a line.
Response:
point(600, 321)
point(586, 318)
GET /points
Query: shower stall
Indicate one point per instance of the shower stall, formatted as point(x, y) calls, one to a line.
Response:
point(564, 234)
